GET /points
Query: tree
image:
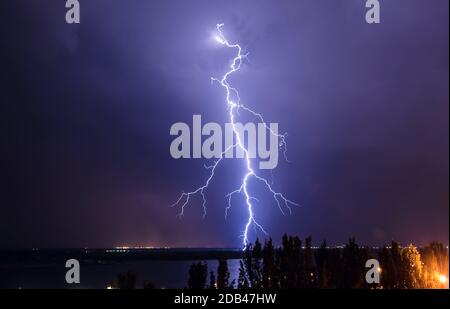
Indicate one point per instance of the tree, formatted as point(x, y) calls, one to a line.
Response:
point(223, 276)
point(256, 265)
point(336, 269)
point(248, 263)
point(149, 286)
point(322, 262)
point(354, 266)
point(269, 271)
point(242, 280)
point(125, 281)
point(197, 275)
point(309, 273)
point(435, 265)
point(412, 264)
point(388, 269)
point(398, 275)
point(287, 264)
point(212, 281)
point(296, 264)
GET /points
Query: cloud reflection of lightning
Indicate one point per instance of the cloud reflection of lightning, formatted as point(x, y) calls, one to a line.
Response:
point(233, 107)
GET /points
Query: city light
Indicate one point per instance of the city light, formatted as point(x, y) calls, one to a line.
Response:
point(443, 279)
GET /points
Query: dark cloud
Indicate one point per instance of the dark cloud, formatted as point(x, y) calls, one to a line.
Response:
point(87, 110)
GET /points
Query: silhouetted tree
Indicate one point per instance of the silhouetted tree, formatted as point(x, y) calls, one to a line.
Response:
point(242, 280)
point(294, 266)
point(388, 278)
point(125, 281)
point(223, 276)
point(287, 264)
point(197, 275)
point(269, 270)
point(309, 279)
point(322, 262)
point(248, 263)
point(256, 265)
point(399, 275)
point(212, 281)
point(149, 286)
point(364, 255)
point(354, 266)
point(336, 268)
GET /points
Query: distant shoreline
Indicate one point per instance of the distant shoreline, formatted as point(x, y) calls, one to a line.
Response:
point(106, 255)
point(119, 254)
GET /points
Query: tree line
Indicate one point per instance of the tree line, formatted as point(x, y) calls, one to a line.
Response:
point(297, 265)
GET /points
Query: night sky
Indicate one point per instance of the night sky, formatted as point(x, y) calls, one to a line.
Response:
point(86, 112)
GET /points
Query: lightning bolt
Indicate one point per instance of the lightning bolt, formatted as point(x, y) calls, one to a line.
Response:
point(234, 105)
